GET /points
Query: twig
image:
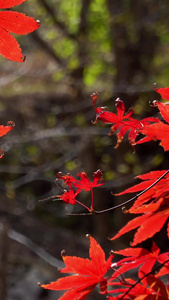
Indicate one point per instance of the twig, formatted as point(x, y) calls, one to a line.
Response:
point(35, 248)
point(134, 198)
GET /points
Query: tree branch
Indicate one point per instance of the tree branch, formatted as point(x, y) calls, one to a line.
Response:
point(46, 47)
point(57, 23)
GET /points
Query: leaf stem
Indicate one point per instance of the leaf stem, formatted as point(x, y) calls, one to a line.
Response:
point(83, 205)
point(91, 207)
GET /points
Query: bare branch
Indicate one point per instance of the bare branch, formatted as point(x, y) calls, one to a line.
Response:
point(57, 23)
point(35, 35)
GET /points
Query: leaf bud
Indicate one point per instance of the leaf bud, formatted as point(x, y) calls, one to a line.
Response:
point(63, 253)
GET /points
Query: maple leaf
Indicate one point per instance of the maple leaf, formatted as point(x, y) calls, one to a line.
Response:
point(160, 130)
point(155, 211)
point(164, 92)
point(69, 196)
point(122, 122)
point(4, 130)
point(134, 257)
point(87, 274)
point(155, 192)
point(17, 23)
point(83, 184)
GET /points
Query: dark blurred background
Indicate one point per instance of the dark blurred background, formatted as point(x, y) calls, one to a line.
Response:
point(118, 48)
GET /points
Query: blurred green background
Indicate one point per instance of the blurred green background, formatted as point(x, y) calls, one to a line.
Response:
point(118, 48)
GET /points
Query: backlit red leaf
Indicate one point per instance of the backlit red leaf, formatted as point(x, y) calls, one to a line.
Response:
point(147, 230)
point(9, 47)
point(134, 223)
point(4, 130)
point(10, 3)
point(122, 122)
point(153, 203)
point(158, 131)
point(164, 92)
point(70, 282)
point(145, 223)
point(76, 186)
point(84, 182)
point(152, 175)
point(164, 109)
point(13, 22)
point(17, 23)
point(155, 193)
point(89, 272)
point(139, 257)
point(68, 197)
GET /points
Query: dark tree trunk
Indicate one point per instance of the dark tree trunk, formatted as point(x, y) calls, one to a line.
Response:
point(134, 43)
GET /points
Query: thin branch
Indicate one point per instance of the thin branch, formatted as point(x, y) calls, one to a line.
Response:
point(22, 239)
point(79, 214)
point(134, 198)
point(83, 17)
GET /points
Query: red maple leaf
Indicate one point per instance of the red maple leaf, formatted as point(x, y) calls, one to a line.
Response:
point(122, 122)
point(83, 184)
point(153, 204)
point(87, 273)
point(135, 257)
point(69, 196)
point(160, 130)
point(164, 92)
point(155, 193)
point(4, 130)
point(17, 23)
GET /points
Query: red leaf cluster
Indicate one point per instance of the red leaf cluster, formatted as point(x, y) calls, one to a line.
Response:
point(75, 186)
point(123, 122)
point(153, 205)
point(4, 129)
point(153, 289)
point(152, 128)
point(135, 257)
point(17, 23)
point(87, 273)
